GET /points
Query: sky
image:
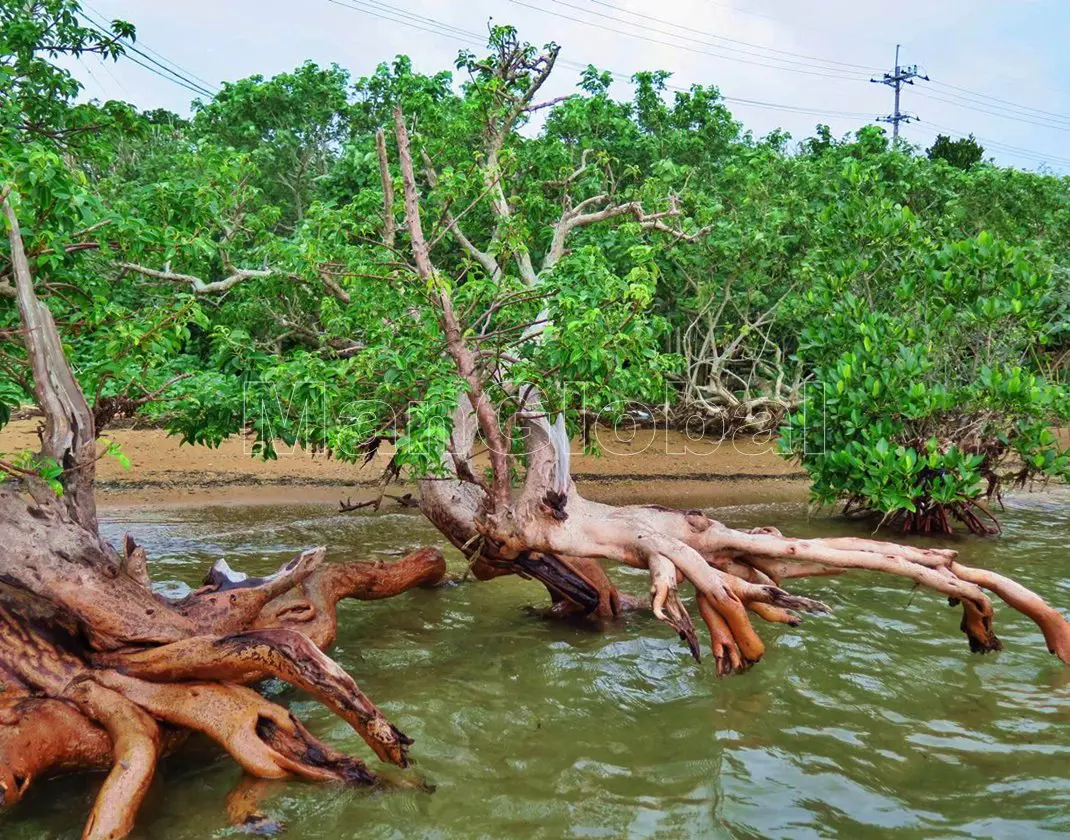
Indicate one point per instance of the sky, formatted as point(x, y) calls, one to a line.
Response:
point(997, 69)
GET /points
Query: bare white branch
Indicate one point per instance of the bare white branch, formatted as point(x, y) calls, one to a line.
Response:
point(389, 224)
point(485, 259)
point(198, 285)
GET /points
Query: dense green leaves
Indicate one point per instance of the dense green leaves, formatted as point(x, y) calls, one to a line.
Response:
point(962, 153)
point(234, 273)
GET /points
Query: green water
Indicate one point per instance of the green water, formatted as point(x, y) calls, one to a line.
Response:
point(873, 722)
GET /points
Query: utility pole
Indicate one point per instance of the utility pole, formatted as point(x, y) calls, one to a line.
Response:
point(896, 80)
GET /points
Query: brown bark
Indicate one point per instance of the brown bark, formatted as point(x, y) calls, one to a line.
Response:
point(65, 706)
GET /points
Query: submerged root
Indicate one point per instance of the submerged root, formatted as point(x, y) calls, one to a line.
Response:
point(723, 643)
point(244, 806)
point(65, 706)
point(265, 739)
point(666, 604)
point(311, 608)
point(40, 736)
point(136, 742)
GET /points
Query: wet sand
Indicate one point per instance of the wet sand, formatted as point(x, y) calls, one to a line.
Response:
point(642, 465)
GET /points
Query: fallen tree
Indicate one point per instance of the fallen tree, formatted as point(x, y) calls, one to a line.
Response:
point(99, 672)
point(549, 531)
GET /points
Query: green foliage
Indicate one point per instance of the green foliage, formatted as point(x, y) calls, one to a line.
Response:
point(925, 392)
point(910, 316)
point(291, 127)
point(962, 153)
point(34, 91)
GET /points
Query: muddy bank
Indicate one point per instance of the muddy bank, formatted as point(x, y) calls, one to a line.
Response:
point(646, 465)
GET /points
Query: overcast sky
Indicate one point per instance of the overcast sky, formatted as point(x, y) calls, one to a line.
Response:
point(1000, 70)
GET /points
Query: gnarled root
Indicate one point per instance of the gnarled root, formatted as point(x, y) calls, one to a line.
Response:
point(723, 599)
point(67, 707)
point(136, 741)
point(231, 601)
point(311, 607)
point(265, 739)
point(243, 806)
point(33, 657)
point(666, 604)
point(258, 654)
point(736, 572)
point(1055, 628)
point(723, 644)
point(40, 736)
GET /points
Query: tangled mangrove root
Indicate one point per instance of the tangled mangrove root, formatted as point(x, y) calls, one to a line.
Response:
point(930, 517)
point(66, 707)
point(738, 574)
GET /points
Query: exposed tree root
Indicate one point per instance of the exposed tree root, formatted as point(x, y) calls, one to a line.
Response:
point(265, 739)
point(311, 607)
point(735, 571)
point(136, 742)
point(40, 736)
point(65, 707)
point(256, 655)
point(243, 806)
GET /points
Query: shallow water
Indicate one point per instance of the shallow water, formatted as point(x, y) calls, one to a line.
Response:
point(873, 722)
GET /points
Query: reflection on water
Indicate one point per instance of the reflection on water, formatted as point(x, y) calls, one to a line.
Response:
point(873, 722)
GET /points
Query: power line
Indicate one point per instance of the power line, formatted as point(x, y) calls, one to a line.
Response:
point(395, 14)
point(994, 113)
point(819, 112)
point(178, 81)
point(908, 74)
point(775, 106)
point(792, 69)
point(812, 60)
point(985, 99)
point(1005, 147)
point(796, 24)
point(171, 74)
point(113, 77)
point(895, 80)
point(433, 26)
point(414, 21)
point(147, 48)
point(92, 75)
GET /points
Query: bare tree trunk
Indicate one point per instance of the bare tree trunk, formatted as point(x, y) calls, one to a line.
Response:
point(70, 435)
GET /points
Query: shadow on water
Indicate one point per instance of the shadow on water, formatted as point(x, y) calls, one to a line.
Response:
point(873, 722)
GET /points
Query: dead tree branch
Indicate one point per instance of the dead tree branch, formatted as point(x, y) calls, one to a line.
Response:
point(198, 285)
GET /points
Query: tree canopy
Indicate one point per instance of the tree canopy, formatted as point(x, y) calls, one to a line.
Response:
point(247, 269)
point(962, 153)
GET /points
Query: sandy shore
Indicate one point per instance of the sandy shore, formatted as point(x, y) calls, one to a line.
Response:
point(705, 472)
